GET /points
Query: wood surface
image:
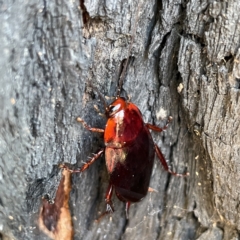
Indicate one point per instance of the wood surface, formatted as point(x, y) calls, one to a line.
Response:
point(185, 62)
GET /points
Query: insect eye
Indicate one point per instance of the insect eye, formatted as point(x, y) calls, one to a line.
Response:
point(113, 109)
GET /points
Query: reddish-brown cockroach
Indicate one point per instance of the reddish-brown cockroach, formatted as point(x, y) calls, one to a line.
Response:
point(129, 149)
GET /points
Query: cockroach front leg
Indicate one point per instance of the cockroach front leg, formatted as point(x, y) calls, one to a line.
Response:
point(165, 165)
point(158, 129)
point(86, 165)
point(88, 127)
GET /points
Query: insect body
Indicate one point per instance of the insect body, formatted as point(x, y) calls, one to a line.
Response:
point(129, 153)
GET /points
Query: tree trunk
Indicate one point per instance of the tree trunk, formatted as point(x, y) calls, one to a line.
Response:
point(184, 62)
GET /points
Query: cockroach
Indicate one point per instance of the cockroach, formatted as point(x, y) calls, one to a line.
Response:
point(129, 149)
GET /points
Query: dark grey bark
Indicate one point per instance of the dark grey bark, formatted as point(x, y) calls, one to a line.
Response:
point(49, 56)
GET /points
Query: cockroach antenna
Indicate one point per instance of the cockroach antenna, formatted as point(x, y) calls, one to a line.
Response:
point(100, 96)
point(120, 83)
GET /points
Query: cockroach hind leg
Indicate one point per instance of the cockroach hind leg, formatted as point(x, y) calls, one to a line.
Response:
point(127, 209)
point(109, 204)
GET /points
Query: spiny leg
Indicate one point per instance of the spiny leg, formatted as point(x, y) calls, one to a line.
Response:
point(158, 129)
point(108, 197)
point(127, 209)
point(88, 127)
point(86, 165)
point(164, 163)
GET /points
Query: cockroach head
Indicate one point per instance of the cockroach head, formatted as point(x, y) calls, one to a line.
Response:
point(117, 105)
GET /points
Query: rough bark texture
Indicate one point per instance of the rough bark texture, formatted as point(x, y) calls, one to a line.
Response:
point(49, 56)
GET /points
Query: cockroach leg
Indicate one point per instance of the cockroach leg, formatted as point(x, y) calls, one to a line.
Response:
point(86, 165)
point(158, 129)
point(165, 165)
point(127, 209)
point(109, 207)
point(88, 127)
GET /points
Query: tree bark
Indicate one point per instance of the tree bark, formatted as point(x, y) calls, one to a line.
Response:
point(184, 62)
